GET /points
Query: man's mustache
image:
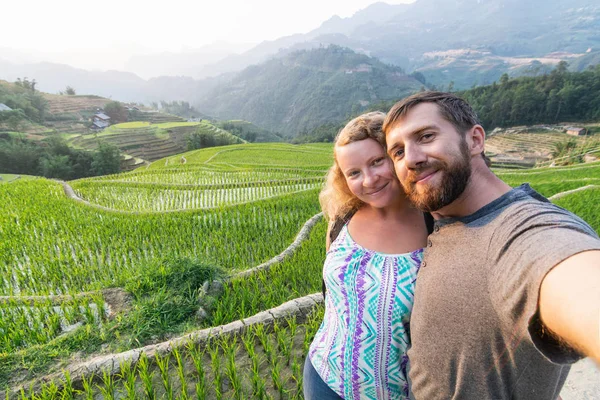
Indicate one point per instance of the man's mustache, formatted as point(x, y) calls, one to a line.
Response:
point(415, 174)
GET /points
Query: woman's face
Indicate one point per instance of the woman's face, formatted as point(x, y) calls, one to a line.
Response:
point(368, 172)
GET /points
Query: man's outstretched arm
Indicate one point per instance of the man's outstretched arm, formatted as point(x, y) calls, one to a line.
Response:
point(569, 302)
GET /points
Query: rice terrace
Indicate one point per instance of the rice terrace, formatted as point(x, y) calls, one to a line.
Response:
point(197, 276)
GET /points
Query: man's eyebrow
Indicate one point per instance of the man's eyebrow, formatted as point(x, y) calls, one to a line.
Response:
point(415, 132)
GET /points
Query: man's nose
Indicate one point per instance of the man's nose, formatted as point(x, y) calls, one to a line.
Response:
point(414, 156)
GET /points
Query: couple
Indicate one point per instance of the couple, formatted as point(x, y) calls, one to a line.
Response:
point(506, 286)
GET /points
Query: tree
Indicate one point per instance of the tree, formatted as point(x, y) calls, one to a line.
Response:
point(116, 112)
point(55, 166)
point(13, 122)
point(26, 83)
point(419, 77)
point(70, 91)
point(107, 159)
point(562, 67)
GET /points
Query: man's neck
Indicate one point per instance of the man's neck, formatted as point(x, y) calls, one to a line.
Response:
point(483, 188)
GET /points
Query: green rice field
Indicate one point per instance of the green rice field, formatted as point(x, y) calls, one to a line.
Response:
point(159, 233)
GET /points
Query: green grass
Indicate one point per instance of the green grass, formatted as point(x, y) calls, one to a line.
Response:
point(15, 177)
point(69, 136)
point(144, 124)
point(129, 125)
point(167, 125)
point(584, 204)
point(51, 244)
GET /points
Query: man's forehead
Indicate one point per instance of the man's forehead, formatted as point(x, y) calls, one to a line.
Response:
point(420, 114)
point(421, 117)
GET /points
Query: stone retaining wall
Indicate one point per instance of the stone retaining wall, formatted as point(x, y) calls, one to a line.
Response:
point(299, 308)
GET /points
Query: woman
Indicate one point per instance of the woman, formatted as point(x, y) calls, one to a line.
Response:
point(374, 249)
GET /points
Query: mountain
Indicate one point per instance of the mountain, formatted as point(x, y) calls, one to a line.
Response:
point(186, 63)
point(465, 41)
point(52, 78)
point(374, 14)
point(307, 88)
point(117, 85)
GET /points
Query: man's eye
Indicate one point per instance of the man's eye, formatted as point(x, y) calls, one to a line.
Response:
point(427, 136)
point(399, 153)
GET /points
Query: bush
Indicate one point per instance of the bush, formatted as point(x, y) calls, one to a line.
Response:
point(167, 296)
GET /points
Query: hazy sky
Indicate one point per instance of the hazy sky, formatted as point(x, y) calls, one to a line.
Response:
point(135, 25)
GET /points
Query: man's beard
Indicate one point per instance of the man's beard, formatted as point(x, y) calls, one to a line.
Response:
point(454, 180)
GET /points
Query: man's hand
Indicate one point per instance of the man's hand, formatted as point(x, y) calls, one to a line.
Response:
point(569, 302)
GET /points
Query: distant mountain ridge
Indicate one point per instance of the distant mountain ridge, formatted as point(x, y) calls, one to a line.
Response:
point(291, 85)
point(402, 34)
point(306, 89)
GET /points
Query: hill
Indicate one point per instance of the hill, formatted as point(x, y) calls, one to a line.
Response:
point(146, 141)
point(558, 96)
point(249, 132)
point(307, 88)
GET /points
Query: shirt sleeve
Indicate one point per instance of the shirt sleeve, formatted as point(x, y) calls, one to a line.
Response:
point(529, 243)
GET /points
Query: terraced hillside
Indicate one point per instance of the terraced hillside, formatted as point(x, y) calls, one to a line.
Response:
point(244, 215)
point(524, 147)
point(62, 104)
point(147, 141)
point(72, 114)
point(154, 117)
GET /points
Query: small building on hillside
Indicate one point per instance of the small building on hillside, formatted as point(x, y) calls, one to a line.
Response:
point(100, 121)
point(4, 107)
point(575, 131)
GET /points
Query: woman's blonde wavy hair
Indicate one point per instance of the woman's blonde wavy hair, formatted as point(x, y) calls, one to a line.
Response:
point(336, 198)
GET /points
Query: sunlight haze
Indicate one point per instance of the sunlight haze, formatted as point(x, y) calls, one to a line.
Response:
point(104, 35)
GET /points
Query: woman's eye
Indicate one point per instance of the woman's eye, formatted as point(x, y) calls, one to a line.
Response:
point(378, 161)
point(427, 136)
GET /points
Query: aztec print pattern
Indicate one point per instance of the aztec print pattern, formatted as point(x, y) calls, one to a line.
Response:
point(360, 348)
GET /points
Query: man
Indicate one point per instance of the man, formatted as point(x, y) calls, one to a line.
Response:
point(509, 289)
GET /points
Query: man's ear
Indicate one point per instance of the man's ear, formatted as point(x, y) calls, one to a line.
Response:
point(477, 140)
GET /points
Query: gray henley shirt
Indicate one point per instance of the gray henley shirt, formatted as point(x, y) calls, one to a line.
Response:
point(474, 327)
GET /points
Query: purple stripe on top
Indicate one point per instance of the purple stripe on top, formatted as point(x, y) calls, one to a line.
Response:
point(404, 369)
point(381, 323)
point(361, 296)
point(416, 256)
point(388, 326)
point(341, 276)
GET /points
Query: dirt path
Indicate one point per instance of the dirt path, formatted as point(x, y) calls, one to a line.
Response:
point(568, 192)
point(583, 382)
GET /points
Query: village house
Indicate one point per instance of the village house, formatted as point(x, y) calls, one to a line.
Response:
point(575, 131)
point(100, 121)
point(4, 107)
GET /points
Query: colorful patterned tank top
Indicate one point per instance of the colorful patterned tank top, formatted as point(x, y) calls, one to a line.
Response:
point(360, 348)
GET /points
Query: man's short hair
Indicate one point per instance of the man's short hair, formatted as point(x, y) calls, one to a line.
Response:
point(452, 108)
